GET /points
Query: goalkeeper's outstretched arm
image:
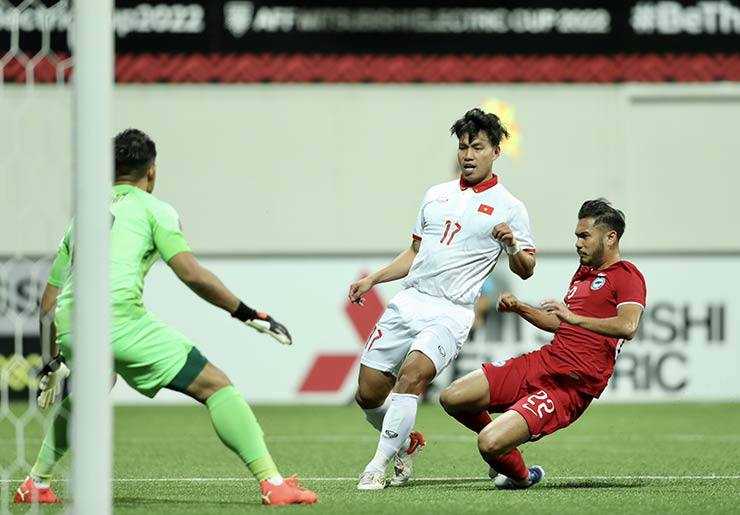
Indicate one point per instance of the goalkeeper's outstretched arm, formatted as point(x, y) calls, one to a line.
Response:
point(210, 288)
point(203, 282)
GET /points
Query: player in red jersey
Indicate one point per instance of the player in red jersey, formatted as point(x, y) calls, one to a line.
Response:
point(546, 390)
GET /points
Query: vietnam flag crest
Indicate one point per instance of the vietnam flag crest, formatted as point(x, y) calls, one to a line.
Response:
point(485, 209)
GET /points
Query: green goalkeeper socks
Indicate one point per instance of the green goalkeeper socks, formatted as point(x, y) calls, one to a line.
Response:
point(231, 416)
point(239, 430)
point(54, 446)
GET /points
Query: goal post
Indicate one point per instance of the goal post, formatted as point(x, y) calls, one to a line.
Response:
point(92, 416)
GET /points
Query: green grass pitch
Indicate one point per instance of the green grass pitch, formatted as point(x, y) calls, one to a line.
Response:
point(642, 458)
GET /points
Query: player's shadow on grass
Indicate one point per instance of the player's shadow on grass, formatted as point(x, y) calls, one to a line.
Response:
point(592, 484)
point(480, 485)
point(454, 484)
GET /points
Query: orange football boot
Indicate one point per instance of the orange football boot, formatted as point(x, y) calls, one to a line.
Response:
point(286, 493)
point(28, 492)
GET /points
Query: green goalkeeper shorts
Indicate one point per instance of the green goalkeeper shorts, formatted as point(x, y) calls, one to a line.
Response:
point(149, 355)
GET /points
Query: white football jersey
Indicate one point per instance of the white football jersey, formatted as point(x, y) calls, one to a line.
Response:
point(455, 226)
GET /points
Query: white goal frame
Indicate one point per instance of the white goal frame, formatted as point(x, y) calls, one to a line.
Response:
point(91, 426)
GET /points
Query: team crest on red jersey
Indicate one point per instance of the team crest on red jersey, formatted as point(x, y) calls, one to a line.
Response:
point(598, 283)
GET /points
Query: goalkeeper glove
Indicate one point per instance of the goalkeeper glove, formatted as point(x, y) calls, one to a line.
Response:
point(51, 381)
point(263, 323)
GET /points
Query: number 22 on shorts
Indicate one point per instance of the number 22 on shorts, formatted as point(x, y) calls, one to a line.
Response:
point(545, 405)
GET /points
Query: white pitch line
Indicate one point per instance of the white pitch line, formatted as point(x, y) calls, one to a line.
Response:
point(464, 438)
point(464, 478)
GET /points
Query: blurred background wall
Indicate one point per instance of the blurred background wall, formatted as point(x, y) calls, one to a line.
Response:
point(341, 168)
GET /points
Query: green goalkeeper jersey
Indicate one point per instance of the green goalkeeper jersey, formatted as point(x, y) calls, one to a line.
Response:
point(143, 229)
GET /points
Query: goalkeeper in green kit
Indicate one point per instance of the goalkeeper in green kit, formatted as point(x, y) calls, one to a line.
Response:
point(148, 354)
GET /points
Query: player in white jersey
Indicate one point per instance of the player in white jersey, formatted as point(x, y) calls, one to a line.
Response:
point(462, 228)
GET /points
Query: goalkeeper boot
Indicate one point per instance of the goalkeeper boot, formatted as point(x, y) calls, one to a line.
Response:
point(404, 460)
point(287, 492)
point(536, 474)
point(28, 492)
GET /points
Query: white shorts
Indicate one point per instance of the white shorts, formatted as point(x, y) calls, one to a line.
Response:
point(416, 321)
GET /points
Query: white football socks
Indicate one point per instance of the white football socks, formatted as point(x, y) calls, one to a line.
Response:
point(394, 434)
point(375, 415)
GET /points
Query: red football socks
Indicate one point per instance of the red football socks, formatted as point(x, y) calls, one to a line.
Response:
point(511, 465)
point(475, 422)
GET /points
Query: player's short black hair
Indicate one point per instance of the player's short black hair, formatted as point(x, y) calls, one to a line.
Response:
point(134, 152)
point(475, 121)
point(603, 213)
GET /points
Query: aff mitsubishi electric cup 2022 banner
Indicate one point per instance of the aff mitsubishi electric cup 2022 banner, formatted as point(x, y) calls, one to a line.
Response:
point(688, 347)
point(320, 26)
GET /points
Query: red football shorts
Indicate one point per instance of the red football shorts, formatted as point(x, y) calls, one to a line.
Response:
point(523, 385)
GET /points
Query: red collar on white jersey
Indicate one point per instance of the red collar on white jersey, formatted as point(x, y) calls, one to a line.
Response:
point(481, 186)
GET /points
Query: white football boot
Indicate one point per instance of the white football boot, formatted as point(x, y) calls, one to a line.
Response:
point(371, 481)
point(403, 465)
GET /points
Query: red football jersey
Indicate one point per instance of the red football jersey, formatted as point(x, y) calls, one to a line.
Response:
point(581, 357)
